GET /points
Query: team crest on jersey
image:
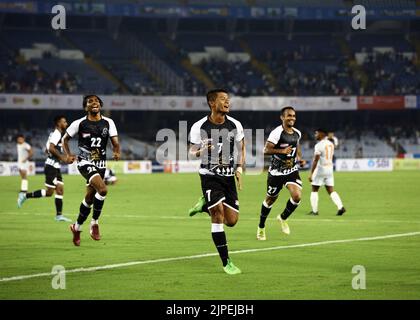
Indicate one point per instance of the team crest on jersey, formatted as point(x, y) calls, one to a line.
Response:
point(104, 132)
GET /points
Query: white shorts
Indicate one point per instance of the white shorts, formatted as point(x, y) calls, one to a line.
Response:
point(23, 166)
point(320, 180)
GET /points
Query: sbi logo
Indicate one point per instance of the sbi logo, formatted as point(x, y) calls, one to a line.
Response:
point(371, 163)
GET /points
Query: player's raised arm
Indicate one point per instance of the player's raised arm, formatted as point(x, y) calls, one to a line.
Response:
point(116, 153)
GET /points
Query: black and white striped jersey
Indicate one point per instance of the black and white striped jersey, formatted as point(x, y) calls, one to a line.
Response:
point(93, 138)
point(225, 138)
point(283, 164)
point(55, 139)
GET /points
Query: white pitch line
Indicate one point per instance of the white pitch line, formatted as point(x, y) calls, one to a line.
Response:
point(134, 263)
point(297, 219)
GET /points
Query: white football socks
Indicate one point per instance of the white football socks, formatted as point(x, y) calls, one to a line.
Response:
point(336, 199)
point(314, 201)
point(24, 185)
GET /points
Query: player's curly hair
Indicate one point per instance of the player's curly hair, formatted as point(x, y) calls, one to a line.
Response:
point(85, 99)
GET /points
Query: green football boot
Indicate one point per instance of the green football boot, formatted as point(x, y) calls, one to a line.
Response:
point(230, 268)
point(198, 207)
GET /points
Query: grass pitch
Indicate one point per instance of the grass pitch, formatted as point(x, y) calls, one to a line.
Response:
point(153, 250)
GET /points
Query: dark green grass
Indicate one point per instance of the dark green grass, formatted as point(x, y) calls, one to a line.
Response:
point(144, 218)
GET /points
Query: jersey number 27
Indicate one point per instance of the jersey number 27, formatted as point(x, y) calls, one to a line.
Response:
point(292, 154)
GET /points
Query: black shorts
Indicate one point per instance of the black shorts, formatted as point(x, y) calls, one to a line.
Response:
point(52, 176)
point(276, 183)
point(218, 189)
point(88, 171)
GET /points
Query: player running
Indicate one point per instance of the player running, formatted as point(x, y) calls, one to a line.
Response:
point(214, 139)
point(53, 179)
point(283, 146)
point(322, 172)
point(24, 153)
point(93, 132)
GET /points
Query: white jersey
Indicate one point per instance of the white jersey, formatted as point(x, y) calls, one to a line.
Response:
point(23, 152)
point(325, 149)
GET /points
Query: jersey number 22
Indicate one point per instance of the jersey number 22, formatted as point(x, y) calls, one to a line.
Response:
point(95, 142)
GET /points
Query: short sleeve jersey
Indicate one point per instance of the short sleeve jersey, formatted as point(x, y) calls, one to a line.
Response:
point(224, 138)
point(284, 164)
point(55, 139)
point(22, 151)
point(93, 138)
point(325, 150)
